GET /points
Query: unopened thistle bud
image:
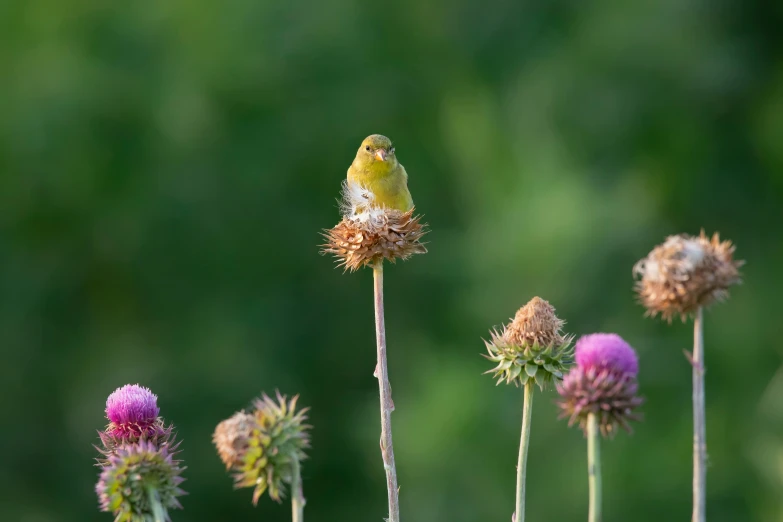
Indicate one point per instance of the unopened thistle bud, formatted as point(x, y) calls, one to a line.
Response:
point(140, 482)
point(603, 382)
point(685, 273)
point(532, 346)
point(133, 411)
point(368, 233)
point(260, 447)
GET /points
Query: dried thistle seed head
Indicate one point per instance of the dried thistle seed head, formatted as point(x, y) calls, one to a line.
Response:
point(603, 382)
point(612, 396)
point(532, 346)
point(368, 233)
point(232, 438)
point(260, 446)
point(685, 273)
point(139, 482)
point(535, 322)
point(392, 235)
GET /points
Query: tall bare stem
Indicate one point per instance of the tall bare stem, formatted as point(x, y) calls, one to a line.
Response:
point(387, 406)
point(699, 423)
point(524, 444)
point(594, 468)
point(297, 496)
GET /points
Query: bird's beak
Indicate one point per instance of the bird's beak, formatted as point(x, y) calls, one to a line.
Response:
point(380, 154)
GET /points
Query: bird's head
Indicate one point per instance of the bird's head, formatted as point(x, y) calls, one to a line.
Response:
point(377, 149)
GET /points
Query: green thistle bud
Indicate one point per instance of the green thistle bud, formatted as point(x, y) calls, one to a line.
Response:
point(261, 447)
point(532, 346)
point(140, 482)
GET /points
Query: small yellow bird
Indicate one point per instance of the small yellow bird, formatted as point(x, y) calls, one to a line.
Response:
point(376, 168)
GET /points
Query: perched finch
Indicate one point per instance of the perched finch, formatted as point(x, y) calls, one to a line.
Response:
point(376, 169)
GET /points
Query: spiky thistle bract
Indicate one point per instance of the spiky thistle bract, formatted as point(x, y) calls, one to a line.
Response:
point(259, 447)
point(531, 346)
point(140, 482)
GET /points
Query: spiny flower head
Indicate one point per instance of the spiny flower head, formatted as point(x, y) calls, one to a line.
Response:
point(603, 382)
point(685, 273)
point(535, 323)
point(133, 411)
point(368, 233)
point(260, 447)
point(132, 404)
point(140, 482)
point(532, 346)
point(606, 351)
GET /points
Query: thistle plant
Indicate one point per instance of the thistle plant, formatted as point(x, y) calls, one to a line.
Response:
point(681, 277)
point(265, 448)
point(378, 224)
point(139, 479)
point(600, 394)
point(531, 350)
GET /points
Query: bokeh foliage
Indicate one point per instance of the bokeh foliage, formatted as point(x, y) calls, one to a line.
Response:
point(165, 168)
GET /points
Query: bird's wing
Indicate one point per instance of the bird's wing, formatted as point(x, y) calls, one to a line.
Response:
point(407, 193)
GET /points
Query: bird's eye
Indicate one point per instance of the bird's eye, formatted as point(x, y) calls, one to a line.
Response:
point(391, 150)
point(367, 148)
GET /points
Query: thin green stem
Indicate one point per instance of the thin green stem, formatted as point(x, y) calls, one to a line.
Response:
point(594, 467)
point(158, 511)
point(699, 423)
point(524, 443)
point(297, 496)
point(387, 406)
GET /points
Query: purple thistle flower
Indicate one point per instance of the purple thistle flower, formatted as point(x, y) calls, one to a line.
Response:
point(606, 351)
point(133, 414)
point(602, 383)
point(132, 404)
point(140, 482)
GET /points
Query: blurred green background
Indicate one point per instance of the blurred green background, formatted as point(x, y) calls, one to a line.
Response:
point(166, 167)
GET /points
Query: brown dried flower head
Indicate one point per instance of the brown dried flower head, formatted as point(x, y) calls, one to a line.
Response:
point(232, 436)
point(535, 322)
point(685, 273)
point(532, 346)
point(369, 233)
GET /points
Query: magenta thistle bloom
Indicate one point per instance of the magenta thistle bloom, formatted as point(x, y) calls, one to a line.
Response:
point(606, 351)
point(132, 404)
point(603, 383)
point(133, 414)
point(140, 482)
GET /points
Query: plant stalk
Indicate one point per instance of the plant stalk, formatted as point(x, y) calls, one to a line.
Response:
point(387, 406)
point(594, 467)
point(297, 496)
point(158, 512)
point(524, 444)
point(699, 423)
